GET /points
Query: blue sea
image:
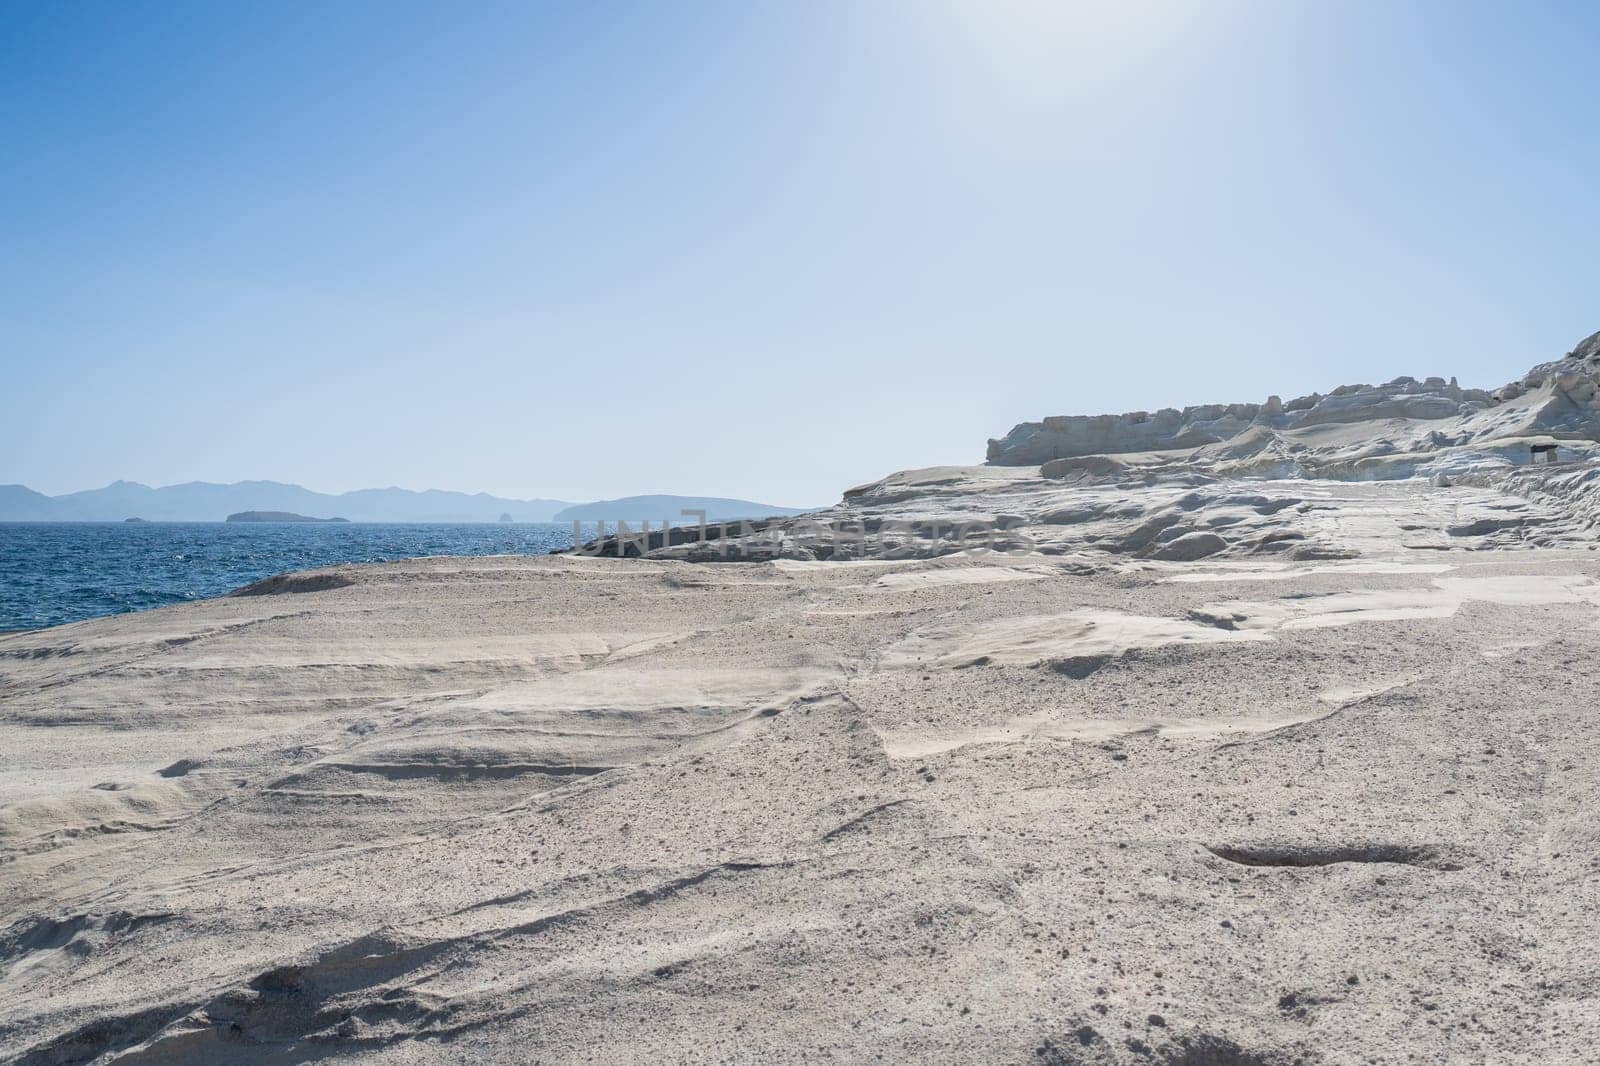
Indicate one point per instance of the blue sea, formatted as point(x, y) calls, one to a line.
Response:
point(56, 572)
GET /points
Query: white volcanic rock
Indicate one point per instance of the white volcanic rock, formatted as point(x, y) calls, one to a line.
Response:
point(1239, 811)
point(1187, 547)
point(1587, 350)
point(1555, 399)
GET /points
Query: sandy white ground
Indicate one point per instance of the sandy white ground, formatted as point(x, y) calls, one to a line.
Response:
point(1079, 807)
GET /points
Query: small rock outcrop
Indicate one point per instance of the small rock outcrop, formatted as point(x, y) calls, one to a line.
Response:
point(1189, 547)
point(286, 584)
point(1587, 350)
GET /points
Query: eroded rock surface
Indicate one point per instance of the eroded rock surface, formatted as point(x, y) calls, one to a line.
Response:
point(1555, 401)
point(959, 809)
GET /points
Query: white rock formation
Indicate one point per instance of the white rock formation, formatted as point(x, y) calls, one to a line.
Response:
point(1555, 401)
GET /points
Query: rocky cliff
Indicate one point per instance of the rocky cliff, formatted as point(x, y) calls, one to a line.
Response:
point(1337, 434)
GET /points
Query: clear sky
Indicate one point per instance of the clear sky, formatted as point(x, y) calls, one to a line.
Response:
point(766, 249)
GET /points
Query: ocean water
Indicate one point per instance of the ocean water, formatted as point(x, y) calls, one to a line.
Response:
point(57, 572)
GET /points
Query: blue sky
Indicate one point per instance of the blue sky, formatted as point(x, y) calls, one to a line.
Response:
point(762, 250)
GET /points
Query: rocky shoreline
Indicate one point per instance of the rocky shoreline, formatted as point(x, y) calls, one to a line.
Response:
point(1170, 759)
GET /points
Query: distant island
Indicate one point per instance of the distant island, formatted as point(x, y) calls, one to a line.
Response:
point(136, 520)
point(656, 509)
point(277, 516)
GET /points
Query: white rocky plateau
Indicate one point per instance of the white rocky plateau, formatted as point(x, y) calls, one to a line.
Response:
point(1248, 735)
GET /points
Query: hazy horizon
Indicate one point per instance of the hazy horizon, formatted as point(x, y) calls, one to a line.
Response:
point(755, 252)
point(366, 488)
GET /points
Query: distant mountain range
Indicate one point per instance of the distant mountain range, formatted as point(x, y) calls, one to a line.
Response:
point(200, 501)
